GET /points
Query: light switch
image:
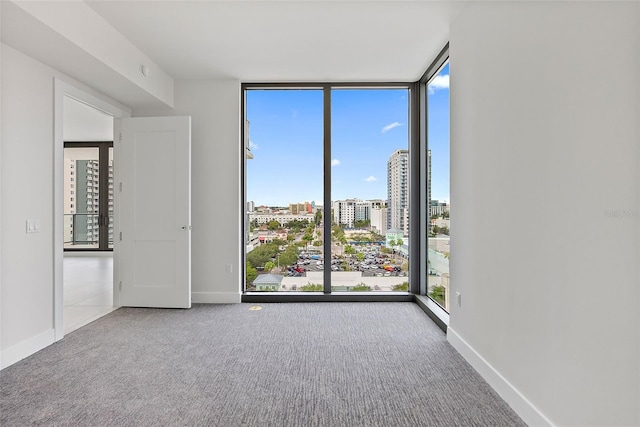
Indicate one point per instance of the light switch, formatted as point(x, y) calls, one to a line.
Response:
point(33, 226)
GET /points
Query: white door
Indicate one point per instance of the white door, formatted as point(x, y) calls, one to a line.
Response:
point(152, 233)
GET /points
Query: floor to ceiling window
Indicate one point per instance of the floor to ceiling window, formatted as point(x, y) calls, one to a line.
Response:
point(88, 195)
point(438, 195)
point(326, 188)
point(284, 190)
point(370, 189)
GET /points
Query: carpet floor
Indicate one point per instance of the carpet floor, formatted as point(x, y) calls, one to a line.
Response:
point(307, 364)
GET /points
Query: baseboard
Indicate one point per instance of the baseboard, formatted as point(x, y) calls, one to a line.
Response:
point(26, 348)
point(519, 403)
point(92, 254)
point(215, 297)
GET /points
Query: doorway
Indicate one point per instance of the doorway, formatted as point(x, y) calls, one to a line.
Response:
point(87, 214)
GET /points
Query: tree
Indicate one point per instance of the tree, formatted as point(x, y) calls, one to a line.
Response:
point(361, 287)
point(289, 256)
point(318, 217)
point(268, 266)
point(311, 287)
point(278, 242)
point(437, 294)
point(290, 238)
point(360, 256)
point(362, 223)
point(262, 254)
point(251, 273)
point(273, 225)
point(402, 287)
point(349, 250)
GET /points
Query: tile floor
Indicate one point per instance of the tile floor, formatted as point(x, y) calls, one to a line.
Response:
point(88, 289)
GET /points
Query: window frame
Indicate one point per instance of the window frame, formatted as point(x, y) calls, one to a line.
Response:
point(432, 308)
point(327, 295)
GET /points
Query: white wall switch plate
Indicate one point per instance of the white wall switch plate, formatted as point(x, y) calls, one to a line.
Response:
point(33, 226)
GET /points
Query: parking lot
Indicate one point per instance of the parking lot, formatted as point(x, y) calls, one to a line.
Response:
point(371, 263)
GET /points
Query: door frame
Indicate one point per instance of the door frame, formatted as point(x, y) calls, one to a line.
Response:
point(108, 106)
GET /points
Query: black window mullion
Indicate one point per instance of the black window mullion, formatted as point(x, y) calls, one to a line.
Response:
point(103, 201)
point(326, 232)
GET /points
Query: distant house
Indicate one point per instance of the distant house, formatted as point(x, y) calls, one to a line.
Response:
point(268, 282)
point(394, 235)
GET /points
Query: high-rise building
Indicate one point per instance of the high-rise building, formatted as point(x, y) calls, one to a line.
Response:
point(379, 219)
point(429, 184)
point(82, 197)
point(349, 211)
point(398, 191)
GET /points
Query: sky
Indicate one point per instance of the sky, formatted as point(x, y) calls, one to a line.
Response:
point(368, 125)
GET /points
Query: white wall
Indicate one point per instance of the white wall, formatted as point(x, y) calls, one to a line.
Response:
point(214, 106)
point(544, 123)
point(84, 123)
point(27, 171)
point(27, 167)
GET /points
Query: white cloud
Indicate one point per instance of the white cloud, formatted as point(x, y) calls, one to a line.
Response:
point(253, 146)
point(371, 179)
point(439, 82)
point(335, 162)
point(388, 127)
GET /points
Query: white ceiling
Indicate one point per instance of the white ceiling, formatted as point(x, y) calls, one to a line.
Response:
point(278, 41)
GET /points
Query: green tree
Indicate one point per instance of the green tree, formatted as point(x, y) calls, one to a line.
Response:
point(268, 266)
point(289, 256)
point(262, 254)
point(317, 243)
point(290, 238)
point(251, 273)
point(349, 250)
point(402, 287)
point(360, 256)
point(311, 287)
point(361, 287)
point(362, 223)
point(273, 225)
point(437, 293)
point(318, 217)
point(278, 242)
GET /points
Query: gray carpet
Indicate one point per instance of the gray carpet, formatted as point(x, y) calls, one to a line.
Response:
point(322, 364)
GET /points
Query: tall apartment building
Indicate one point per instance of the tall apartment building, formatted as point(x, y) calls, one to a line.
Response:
point(398, 191)
point(81, 202)
point(349, 211)
point(429, 184)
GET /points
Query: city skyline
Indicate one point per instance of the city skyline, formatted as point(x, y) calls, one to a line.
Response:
point(368, 125)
